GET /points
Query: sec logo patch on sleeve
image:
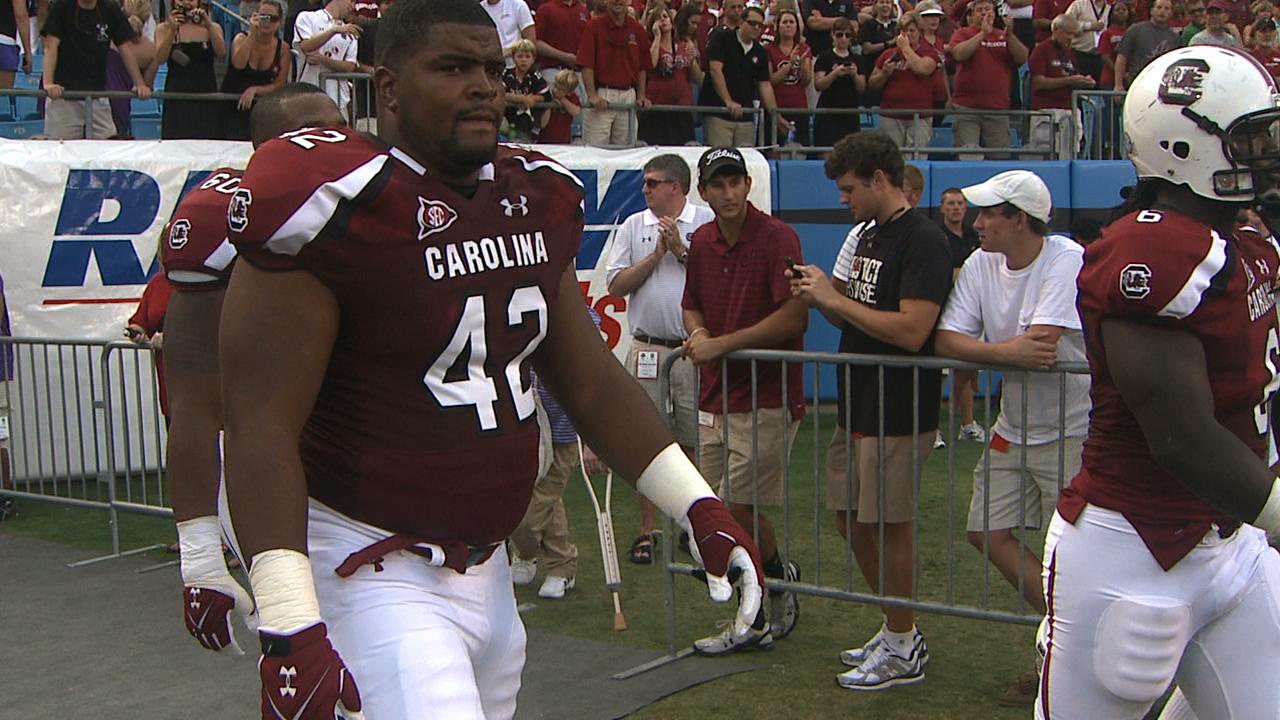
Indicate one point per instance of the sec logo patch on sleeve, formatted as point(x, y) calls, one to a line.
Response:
point(1135, 281)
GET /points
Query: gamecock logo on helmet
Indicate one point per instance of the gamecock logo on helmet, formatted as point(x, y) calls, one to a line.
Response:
point(1183, 81)
point(179, 234)
point(1135, 281)
point(434, 216)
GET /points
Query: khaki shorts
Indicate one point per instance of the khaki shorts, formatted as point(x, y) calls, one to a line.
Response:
point(681, 412)
point(1039, 495)
point(748, 483)
point(900, 484)
point(64, 119)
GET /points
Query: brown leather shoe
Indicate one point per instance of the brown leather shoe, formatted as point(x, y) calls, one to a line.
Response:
point(1022, 693)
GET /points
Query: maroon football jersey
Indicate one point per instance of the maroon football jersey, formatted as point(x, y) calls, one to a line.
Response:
point(424, 423)
point(196, 253)
point(1164, 268)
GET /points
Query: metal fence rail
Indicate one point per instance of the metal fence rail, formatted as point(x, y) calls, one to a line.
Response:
point(85, 428)
point(946, 593)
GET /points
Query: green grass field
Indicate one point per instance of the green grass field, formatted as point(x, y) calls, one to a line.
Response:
point(972, 660)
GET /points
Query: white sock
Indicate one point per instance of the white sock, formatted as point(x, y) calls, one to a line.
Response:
point(900, 643)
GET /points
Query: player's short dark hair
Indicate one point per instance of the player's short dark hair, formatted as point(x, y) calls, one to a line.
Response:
point(674, 167)
point(863, 154)
point(405, 28)
point(1086, 230)
point(268, 118)
point(953, 190)
point(1036, 225)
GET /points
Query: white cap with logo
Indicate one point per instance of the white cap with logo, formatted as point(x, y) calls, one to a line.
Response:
point(1022, 189)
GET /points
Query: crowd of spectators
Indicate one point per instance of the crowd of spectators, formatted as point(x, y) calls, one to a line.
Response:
point(978, 59)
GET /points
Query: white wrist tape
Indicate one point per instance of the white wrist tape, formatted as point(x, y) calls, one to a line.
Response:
point(1269, 518)
point(200, 548)
point(284, 590)
point(673, 483)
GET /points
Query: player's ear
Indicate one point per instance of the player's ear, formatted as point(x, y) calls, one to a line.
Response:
point(384, 83)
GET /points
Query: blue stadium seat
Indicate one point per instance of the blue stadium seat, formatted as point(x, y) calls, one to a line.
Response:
point(21, 129)
point(145, 128)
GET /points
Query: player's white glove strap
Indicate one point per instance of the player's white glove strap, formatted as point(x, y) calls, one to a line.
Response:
point(672, 483)
point(285, 591)
point(209, 592)
point(1269, 518)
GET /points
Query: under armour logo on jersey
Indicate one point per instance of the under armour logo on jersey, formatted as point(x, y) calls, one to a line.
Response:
point(1135, 281)
point(179, 234)
point(288, 674)
point(510, 209)
point(238, 210)
point(195, 597)
point(434, 216)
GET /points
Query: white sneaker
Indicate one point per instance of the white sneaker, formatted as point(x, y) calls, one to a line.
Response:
point(554, 587)
point(854, 656)
point(523, 571)
point(732, 640)
point(885, 668)
point(973, 431)
point(938, 442)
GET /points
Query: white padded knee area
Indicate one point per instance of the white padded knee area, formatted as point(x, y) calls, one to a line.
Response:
point(1138, 646)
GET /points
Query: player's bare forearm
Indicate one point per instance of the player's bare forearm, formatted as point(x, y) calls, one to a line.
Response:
point(195, 401)
point(1173, 403)
point(595, 390)
point(277, 333)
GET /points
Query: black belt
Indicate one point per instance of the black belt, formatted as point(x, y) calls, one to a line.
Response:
point(658, 341)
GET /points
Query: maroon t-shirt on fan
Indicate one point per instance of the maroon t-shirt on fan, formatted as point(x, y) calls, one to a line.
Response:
point(560, 26)
point(789, 93)
point(982, 81)
point(424, 423)
point(617, 53)
point(1051, 61)
point(906, 89)
point(737, 287)
point(1194, 280)
point(196, 253)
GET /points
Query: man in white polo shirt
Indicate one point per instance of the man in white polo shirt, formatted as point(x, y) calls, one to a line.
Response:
point(646, 263)
point(1014, 303)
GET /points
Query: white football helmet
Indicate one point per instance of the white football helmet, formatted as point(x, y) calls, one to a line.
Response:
point(1205, 116)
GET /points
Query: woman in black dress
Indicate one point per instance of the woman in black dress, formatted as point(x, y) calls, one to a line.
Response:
point(259, 63)
point(189, 41)
point(839, 84)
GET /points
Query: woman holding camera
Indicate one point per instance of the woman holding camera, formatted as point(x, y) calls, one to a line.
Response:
point(260, 62)
point(674, 55)
point(189, 41)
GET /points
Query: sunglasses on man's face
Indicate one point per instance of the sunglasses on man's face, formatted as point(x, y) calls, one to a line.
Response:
point(753, 23)
point(652, 183)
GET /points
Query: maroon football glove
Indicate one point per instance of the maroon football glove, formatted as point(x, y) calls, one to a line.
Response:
point(304, 679)
point(207, 615)
point(729, 555)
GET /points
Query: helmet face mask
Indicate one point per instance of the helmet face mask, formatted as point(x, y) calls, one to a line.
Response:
point(1207, 117)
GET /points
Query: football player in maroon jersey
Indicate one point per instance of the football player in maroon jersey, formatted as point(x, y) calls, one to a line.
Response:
point(197, 259)
point(376, 342)
point(1156, 564)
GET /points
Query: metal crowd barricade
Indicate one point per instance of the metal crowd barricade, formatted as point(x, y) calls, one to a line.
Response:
point(85, 429)
point(1100, 116)
point(951, 596)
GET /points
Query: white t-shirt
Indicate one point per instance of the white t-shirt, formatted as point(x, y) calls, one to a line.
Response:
point(992, 303)
point(511, 17)
point(337, 47)
point(654, 307)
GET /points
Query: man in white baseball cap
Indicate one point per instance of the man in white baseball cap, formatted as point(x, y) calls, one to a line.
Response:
point(1014, 303)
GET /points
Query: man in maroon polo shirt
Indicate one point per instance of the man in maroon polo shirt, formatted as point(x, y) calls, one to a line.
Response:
point(614, 55)
point(559, 25)
point(1053, 77)
point(986, 57)
point(737, 296)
